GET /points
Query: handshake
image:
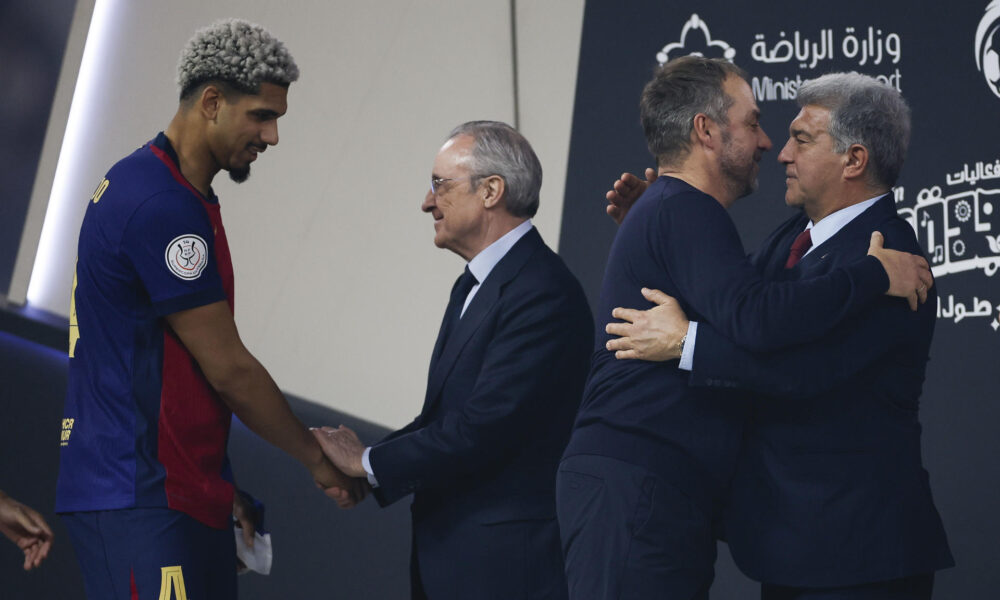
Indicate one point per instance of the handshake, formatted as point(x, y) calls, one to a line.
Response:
point(341, 474)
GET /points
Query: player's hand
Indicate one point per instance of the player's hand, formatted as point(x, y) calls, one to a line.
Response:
point(246, 517)
point(624, 192)
point(653, 334)
point(909, 275)
point(327, 476)
point(27, 528)
point(349, 498)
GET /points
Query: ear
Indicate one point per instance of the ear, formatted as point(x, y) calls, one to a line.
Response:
point(210, 102)
point(703, 130)
point(493, 189)
point(855, 162)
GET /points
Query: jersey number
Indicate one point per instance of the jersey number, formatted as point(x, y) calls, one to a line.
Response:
point(74, 327)
point(101, 188)
point(172, 580)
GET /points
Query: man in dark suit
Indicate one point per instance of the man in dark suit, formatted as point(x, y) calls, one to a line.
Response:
point(830, 499)
point(505, 381)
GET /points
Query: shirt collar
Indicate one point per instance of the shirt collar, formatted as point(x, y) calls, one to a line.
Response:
point(482, 263)
point(163, 143)
point(835, 221)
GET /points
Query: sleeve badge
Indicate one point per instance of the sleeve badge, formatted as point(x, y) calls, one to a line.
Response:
point(187, 256)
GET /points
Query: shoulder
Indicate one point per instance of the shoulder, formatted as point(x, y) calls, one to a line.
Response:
point(543, 268)
point(670, 211)
point(140, 169)
point(544, 275)
point(669, 195)
point(898, 233)
point(140, 178)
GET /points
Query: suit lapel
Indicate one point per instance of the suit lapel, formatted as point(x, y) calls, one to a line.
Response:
point(483, 303)
point(770, 259)
point(850, 240)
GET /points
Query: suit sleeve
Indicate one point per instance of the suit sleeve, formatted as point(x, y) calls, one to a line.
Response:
point(816, 367)
point(524, 366)
point(701, 249)
point(411, 426)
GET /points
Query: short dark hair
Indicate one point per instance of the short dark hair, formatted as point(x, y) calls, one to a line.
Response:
point(679, 90)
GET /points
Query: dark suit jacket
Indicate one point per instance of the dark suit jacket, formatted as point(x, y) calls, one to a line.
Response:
point(481, 458)
point(830, 489)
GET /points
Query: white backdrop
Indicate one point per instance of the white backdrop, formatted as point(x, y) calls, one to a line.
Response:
point(339, 288)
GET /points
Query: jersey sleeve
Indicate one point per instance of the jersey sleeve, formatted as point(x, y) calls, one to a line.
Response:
point(170, 242)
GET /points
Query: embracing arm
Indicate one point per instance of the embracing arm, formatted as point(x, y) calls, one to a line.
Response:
point(702, 252)
point(819, 366)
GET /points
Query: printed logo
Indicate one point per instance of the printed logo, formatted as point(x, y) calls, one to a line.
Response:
point(697, 45)
point(187, 256)
point(988, 47)
point(67, 430)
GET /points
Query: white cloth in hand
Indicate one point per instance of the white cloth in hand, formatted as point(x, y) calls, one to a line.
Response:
point(257, 558)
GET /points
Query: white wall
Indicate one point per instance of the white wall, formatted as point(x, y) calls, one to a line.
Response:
point(340, 289)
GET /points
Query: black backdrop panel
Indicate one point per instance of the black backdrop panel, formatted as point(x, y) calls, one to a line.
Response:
point(33, 38)
point(943, 56)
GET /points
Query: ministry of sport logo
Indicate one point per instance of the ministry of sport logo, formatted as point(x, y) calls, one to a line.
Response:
point(696, 40)
point(187, 256)
point(988, 47)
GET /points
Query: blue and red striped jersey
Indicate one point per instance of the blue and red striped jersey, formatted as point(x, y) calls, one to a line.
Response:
point(142, 427)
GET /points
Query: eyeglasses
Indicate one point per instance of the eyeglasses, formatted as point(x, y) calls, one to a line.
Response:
point(437, 181)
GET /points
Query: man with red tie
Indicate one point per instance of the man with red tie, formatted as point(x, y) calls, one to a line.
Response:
point(644, 477)
point(830, 499)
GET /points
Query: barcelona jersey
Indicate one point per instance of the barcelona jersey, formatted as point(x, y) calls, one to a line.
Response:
point(142, 427)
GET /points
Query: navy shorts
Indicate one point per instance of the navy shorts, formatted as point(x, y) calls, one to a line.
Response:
point(152, 553)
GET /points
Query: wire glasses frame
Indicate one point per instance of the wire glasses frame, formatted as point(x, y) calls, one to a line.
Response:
point(437, 181)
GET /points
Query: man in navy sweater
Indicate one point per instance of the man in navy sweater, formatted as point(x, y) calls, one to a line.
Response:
point(830, 499)
point(643, 479)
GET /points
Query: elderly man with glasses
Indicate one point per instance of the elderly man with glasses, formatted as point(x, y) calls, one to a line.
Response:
point(505, 381)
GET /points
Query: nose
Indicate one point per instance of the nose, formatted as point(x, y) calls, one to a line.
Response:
point(765, 142)
point(428, 204)
point(785, 156)
point(269, 133)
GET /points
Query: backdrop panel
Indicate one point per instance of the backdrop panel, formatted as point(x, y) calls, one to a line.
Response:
point(32, 40)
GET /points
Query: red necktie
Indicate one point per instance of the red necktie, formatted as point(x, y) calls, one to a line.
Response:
point(799, 247)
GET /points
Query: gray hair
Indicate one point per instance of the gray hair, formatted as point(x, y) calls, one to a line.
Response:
point(237, 53)
point(864, 111)
point(500, 150)
point(679, 90)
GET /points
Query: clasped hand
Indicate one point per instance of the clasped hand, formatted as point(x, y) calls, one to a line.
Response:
point(343, 448)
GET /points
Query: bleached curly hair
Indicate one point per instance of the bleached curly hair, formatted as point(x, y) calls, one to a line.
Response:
point(237, 53)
